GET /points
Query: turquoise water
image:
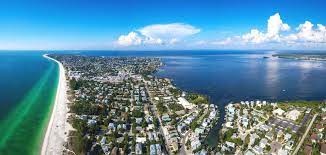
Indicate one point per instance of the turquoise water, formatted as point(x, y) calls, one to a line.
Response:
point(28, 86)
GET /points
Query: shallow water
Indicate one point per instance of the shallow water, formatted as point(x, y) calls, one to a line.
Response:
point(28, 86)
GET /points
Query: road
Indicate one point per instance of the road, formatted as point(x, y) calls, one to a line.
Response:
point(304, 135)
point(183, 150)
point(154, 111)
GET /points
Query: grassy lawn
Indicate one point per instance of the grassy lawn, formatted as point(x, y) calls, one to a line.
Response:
point(306, 104)
point(200, 119)
point(197, 99)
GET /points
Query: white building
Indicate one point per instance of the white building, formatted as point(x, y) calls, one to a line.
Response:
point(293, 115)
point(185, 103)
point(279, 112)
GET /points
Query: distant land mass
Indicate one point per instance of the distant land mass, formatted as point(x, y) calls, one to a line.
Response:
point(303, 56)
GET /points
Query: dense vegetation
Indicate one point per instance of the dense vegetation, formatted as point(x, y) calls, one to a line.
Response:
point(176, 107)
point(175, 91)
point(75, 84)
point(79, 142)
point(161, 108)
point(314, 105)
point(197, 99)
point(87, 108)
point(227, 136)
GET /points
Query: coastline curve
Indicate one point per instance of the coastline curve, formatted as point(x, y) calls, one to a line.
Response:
point(58, 127)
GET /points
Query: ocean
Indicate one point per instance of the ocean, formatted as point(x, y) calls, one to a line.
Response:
point(28, 84)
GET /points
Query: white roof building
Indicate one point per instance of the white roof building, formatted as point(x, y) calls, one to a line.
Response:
point(248, 152)
point(230, 144)
point(279, 112)
point(282, 152)
point(185, 103)
point(140, 139)
point(195, 142)
point(229, 124)
point(263, 143)
point(287, 137)
point(293, 115)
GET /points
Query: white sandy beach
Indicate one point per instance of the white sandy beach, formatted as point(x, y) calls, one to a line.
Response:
point(55, 136)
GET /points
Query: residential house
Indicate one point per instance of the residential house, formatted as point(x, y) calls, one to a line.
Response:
point(152, 149)
point(263, 143)
point(258, 150)
point(138, 149)
point(248, 152)
point(158, 149)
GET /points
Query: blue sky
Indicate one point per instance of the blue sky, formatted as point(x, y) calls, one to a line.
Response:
point(168, 24)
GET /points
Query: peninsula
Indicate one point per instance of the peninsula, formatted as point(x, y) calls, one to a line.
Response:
point(119, 107)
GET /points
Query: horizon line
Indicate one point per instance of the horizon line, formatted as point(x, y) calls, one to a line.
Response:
point(155, 50)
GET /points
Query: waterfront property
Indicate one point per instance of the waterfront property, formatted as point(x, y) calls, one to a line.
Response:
point(261, 127)
point(119, 107)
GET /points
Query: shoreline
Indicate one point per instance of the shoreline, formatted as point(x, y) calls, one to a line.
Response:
point(58, 128)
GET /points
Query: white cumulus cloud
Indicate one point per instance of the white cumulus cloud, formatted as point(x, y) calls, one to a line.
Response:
point(158, 34)
point(254, 36)
point(305, 34)
point(130, 39)
point(275, 26)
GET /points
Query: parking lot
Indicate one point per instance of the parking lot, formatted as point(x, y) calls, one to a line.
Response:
point(284, 124)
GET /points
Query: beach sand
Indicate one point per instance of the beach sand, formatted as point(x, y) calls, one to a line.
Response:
point(58, 128)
